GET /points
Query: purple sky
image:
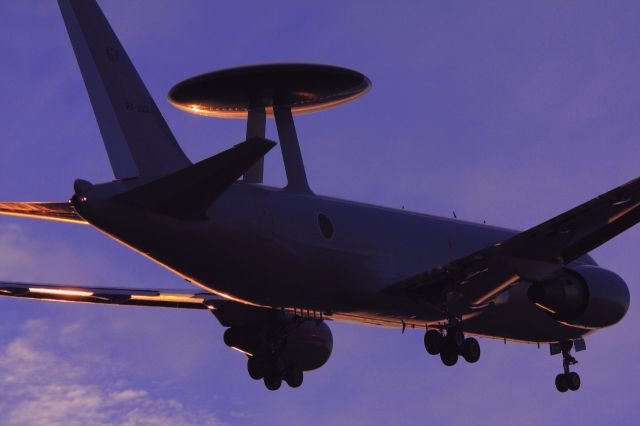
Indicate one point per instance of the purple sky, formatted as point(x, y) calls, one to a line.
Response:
point(509, 112)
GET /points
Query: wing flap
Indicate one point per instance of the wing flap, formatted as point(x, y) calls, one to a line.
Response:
point(61, 212)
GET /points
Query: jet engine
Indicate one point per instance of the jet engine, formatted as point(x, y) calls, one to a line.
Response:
point(586, 296)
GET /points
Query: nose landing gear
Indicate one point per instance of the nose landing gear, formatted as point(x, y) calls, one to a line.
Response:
point(568, 380)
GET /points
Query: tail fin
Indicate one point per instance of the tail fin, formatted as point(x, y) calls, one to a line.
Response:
point(137, 139)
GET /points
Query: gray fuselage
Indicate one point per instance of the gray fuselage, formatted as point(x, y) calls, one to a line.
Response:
point(265, 246)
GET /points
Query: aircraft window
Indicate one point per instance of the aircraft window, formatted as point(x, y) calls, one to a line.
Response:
point(326, 227)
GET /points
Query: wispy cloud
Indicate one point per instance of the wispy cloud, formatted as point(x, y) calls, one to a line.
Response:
point(40, 387)
point(49, 377)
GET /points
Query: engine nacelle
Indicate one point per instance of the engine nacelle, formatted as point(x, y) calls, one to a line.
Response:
point(308, 344)
point(586, 296)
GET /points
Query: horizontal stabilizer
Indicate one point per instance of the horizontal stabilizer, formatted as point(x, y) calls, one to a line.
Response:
point(188, 193)
point(62, 212)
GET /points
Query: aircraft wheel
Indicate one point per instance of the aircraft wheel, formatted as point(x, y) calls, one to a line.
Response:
point(272, 382)
point(255, 367)
point(573, 381)
point(294, 376)
point(471, 350)
point(455, 337)
point(433, 341)
point(449, 355)
point(279, 365)
point(562, 384)
point(229, 336)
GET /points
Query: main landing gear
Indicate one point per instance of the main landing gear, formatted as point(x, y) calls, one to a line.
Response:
point(273, 370)
point(451, 345)
point(269, 361)
point(569, 380)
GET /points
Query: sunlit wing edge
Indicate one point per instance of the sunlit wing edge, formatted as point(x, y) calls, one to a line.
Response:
point(112, 296)
point(57, 211)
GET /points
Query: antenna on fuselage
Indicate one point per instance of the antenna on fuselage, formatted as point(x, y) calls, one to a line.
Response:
point(274, 90)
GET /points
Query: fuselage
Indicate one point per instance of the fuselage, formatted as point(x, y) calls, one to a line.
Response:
point(318, 255)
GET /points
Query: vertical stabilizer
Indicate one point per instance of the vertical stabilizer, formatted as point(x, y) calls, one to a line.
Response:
point(137, 139)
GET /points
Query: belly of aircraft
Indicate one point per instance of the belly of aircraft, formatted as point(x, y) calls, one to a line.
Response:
point(256, 249)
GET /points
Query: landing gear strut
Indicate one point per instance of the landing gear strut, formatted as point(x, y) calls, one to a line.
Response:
point(569, 380)
point(451, 345)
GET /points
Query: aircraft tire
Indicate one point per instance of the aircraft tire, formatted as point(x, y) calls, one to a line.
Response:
point(272, 382)
point(562, 384)
point(573, 381)
point(255, 367)
point(294, 376)
point(449, 355)
point(433, 342)
point(229, 336)
point(471, 350)
point(455, 337)
point(279, 365)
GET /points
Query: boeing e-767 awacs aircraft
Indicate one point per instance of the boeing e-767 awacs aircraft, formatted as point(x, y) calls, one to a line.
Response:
point(274, 264)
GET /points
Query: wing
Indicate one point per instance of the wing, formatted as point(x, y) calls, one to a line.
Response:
point(62, 212)
point(473, 281)
point(113, 296)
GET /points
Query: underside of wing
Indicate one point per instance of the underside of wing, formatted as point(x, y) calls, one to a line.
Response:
point(113, 296)
point(472, 281)
point(61, 212)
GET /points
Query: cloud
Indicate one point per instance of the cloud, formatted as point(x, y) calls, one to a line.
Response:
point(41, 387)
point(50, 375)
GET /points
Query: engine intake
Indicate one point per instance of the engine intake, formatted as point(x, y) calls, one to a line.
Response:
point(586, 296)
